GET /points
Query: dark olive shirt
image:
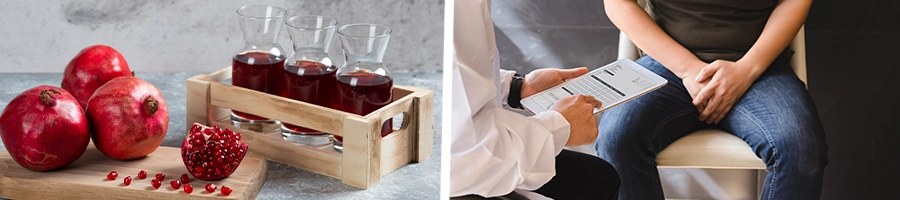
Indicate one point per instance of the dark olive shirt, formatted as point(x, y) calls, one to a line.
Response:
point(715, 29)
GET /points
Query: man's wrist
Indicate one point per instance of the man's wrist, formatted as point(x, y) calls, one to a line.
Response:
point(755, 69)
point(691, 70)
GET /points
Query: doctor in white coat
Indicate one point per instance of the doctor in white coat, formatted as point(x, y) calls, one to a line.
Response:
point(495, 151)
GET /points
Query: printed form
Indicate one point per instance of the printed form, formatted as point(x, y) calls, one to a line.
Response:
point(609, 85)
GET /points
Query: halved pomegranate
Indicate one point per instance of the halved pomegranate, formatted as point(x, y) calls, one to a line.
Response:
point(211, 153)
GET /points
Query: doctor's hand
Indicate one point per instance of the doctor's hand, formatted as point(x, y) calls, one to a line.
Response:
point(542, 79)
point(579, 112)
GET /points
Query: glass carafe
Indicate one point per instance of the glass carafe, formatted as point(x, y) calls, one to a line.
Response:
point(258, 62)
point(363, 83)
point(309, 72)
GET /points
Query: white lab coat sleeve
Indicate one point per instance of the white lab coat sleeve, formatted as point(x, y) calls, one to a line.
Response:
point(493, 150)
point(505, 82)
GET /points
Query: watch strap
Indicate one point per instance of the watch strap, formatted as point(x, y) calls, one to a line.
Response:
point(515, 92)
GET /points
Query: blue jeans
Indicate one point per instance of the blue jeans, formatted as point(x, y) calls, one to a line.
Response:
point(776, 117)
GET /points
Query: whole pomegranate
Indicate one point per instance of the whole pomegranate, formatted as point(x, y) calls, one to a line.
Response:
point(129, 118)
point(44, 128)
point(211, 153)
point(91, 68)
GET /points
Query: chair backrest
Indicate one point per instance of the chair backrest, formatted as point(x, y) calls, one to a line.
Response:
point(627, 49)
point(798, 60)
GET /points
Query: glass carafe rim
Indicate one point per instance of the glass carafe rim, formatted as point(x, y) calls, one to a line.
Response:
point(280, 14)
point(330, 25)
point(385, 34)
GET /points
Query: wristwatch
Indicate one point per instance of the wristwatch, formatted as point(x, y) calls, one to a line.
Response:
point(515, 91)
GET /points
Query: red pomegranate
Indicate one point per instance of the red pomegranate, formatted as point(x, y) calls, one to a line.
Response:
point(129, 118)
point(44, 128)
point(90, 69)
point(212, 153)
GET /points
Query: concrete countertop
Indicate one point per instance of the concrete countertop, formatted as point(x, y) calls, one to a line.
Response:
point(413, 181)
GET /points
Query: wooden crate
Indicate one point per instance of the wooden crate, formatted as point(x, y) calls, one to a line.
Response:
point(366, 155)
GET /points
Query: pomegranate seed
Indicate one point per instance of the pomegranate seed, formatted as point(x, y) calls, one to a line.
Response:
point(226, 190)
point(127, 180)
point(112, 175)
point(185, 178)
point(160, 177)
point(142, 174)
point(175, 184)
point(188, 188)
point(155, 183)
point(210, 187)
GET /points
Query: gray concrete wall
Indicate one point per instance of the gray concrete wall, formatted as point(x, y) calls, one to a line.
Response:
point(534, 34)
point(167, 35)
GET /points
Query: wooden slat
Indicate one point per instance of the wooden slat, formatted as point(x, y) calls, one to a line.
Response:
point(275, 107)
point(401, 103)
point(424, 114)
point(219, 76)
point(86, 178)
point(396, 149)
point(197, 98)
point(216, 112)
point(322, 160)
point(360, 158)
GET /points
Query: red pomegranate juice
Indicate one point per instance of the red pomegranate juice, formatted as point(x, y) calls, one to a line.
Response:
point(311, 82)
point(362, 93)
point(257, 70)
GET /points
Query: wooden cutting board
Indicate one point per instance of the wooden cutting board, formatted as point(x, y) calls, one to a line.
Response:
point(86, 178)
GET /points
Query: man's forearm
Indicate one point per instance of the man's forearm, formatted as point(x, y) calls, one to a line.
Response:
point(629, 17)
point(780, 29)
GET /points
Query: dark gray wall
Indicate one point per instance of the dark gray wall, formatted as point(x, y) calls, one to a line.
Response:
point(851, 51)
point(852, 47)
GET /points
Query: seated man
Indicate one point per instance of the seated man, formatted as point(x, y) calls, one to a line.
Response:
point(727, 66)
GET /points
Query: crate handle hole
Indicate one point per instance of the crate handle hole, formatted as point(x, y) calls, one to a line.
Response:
point(400, 121)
